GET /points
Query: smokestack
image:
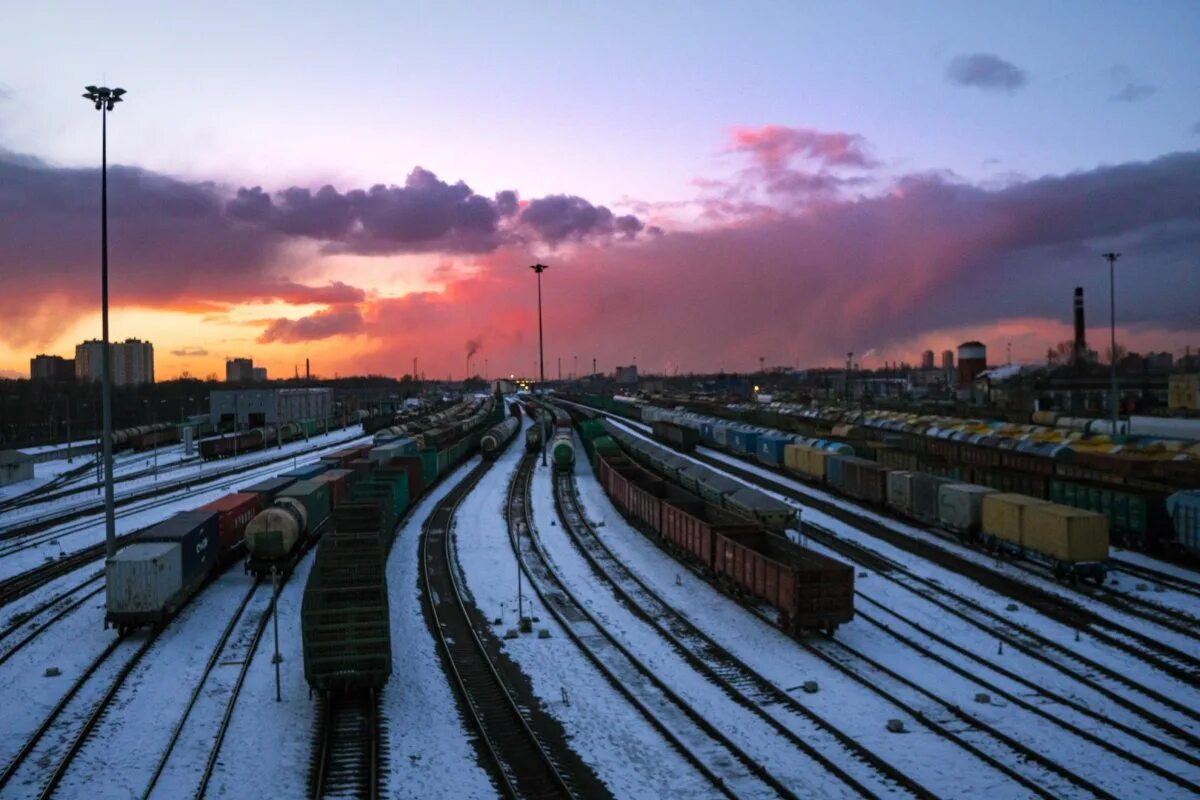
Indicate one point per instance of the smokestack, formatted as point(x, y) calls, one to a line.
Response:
point(307, 371)
point(1080, 349)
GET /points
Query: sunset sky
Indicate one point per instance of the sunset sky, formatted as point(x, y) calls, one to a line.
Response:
point(364, 183)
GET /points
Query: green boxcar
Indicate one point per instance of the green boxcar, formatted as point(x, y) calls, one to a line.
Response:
point(429, 465)
point(315, 497)
point(370, 490)
point(345, 625)
point(397, 480)
point(1134, 516)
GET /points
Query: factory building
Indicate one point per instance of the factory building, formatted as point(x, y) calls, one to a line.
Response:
point(253, 408)
point(132, 361)
point(627, 376)
point(51, 368)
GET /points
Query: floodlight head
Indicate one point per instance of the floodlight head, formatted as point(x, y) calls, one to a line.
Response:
point(118, 92)
point(99, 104)
point(91, 89)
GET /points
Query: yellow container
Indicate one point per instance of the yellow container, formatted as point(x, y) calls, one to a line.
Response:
point(1003, 515)
point(1065, 533)
point(791, 456)
point(815, 463)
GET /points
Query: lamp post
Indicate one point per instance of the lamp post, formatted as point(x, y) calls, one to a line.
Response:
point(1112, 300)
point(539, 269)
point(105, 100)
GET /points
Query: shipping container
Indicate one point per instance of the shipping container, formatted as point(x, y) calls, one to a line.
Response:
point(305, 472)
point(744, 441)
point(1067, 535)
point(234, 511)
point(771, 449)
point(268, 488)
point(899, 490)
point(1004, 516)
point(142, 581)
point(314, 495)
point(1184, 508)
point(925, 488)
point(340, 481)
point(960, 507)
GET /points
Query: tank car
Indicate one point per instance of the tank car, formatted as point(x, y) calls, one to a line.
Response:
point(497, 437)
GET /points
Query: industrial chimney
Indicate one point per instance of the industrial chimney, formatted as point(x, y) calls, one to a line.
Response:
point(307, 373)
point(1079, 352)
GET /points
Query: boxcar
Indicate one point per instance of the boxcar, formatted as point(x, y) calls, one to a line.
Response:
point(677, 436)
point(1184, 508)
point(233, 512)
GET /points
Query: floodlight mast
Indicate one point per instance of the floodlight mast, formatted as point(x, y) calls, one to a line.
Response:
point(104, 99)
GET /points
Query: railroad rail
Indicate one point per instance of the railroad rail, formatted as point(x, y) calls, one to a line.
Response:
point(1169, 660)
point(524, 765)
point(211, 693)
point(1177, 583)
point(347, 757)
point(39, 619)
point(726, 765)
point(809, 733)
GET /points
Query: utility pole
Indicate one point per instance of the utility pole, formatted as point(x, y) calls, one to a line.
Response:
point(1112, 300)
point(539, 269)
point(593, 365)
point(560, 368)
point(104, 100)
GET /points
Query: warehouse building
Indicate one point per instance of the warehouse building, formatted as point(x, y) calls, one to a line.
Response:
point(253, 408)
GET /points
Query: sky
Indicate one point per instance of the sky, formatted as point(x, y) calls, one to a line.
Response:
point(710, 183)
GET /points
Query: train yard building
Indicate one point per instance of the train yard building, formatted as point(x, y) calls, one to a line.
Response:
point(253, 408)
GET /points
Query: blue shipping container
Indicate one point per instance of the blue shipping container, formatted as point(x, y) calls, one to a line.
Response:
point(306, 472)
point(770, 448)
point(833, 469)
point(743, 441)
point(269, 488)
point(198, 535)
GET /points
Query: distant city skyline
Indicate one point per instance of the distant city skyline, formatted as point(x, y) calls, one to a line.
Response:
point(709, 185)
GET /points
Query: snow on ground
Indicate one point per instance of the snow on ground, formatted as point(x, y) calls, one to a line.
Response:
point(119, 758)
point(627, 754)
point(790, 766)
point(21, 555)
point(429, 745)
point(267, 745)
point(1157, 564)
point(938, 765)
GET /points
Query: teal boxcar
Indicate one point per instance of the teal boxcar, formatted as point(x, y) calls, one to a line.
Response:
point(315, 497)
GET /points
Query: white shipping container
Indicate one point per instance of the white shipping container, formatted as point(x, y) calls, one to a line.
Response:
point(143, 577)
point(899, 490)
point(960, 505)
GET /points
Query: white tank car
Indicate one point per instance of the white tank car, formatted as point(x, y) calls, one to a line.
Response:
point(274, 531)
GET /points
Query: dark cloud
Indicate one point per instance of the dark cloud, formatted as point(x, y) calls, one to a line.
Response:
point(507, 203)
point(1134, 92)
point(332, 321)
point(562, 217)
point(192, 352)
point(986, 71)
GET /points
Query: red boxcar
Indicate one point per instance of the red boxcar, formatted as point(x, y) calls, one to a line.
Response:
point(809, 590)
point(416, 478)
point(234, 513)
point(865, 480)
point(339, 481)
point(690, 525)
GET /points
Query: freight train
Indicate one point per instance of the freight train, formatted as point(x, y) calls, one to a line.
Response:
point(1073, 542)
point(725, 538)
point(499, 435)
point(345, 630)
point(269, 436)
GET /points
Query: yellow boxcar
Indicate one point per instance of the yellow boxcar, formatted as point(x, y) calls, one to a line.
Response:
point(1064, 533)
point(1003, 515)
point(815, 463)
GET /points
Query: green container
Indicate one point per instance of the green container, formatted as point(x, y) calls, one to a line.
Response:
point(397, 481)
point(315, 497)
point(429, 465)
point(372, 490)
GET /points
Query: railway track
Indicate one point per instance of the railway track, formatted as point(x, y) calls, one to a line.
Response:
point(347, 755)
point(30, 526)
point(524, 765)
point(1167, 659)
point(34, 622)
point(813, 736)
point(725, 764)
point(216, 695)
point(75, 728)
point(1174, 582)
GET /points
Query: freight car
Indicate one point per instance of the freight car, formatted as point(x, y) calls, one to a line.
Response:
point(1184, 508)
point(808, 591)
point(492, 444)
point(147, 581)
point(680, 438)
point(562, 451)
point(280, 533)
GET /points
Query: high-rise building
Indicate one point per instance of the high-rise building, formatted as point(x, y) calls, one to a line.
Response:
point(239, 370)
point(131, 361)
point(947, 359)
point(51, 368)
point(927, 359)
point(260, 374)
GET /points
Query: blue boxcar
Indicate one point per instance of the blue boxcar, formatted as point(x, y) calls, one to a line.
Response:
point(199, 537)
point(268, 488)
point(743, 441)
point(305, 473)
point(770, 448)
point(833, 470)
point(1184, 508)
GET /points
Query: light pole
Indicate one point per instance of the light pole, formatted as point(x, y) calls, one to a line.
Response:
point(539, 269)
point(1112, 353)
point(104, 100)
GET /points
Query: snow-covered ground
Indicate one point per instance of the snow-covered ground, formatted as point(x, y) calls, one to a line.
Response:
point(431, 754)
point(626, 753)
point(662, 572)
